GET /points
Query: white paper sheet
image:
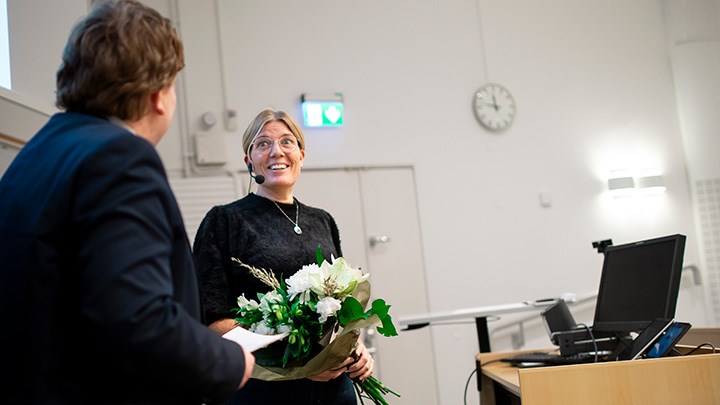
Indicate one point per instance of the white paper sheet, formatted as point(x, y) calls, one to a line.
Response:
point(251, 340)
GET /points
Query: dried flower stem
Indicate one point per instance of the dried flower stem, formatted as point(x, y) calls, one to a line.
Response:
point(266, 276)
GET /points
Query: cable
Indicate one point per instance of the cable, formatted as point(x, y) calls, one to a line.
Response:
point(592, 337)
point(699, 346)
point(467, 383)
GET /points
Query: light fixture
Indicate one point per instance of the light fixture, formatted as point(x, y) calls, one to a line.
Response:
point(621, 186)
point(651, 184)
point(322, 110)
point(624, 183)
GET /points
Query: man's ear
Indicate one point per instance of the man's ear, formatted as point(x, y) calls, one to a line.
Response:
point(157, 104)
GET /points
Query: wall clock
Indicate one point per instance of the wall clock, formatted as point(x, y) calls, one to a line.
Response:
point(494, 107)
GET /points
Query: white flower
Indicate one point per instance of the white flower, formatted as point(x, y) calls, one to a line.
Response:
point(340, 277)
point(301, 282)
point(334, 278)
point(284, 328)
point(267, 301)
point(327, 307)
point(245, 304)
point(262, 329)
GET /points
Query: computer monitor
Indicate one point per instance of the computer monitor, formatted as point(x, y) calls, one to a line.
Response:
point(639, 283)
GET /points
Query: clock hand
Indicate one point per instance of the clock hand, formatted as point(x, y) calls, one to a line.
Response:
point(495, 103)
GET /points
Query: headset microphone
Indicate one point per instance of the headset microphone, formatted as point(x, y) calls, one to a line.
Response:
point(259, 178)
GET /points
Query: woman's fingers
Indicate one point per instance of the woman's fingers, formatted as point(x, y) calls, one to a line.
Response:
point(363, 365)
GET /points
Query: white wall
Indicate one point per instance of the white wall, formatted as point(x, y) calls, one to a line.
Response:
point(694, 43)
point(595, 92)
point(38, 33)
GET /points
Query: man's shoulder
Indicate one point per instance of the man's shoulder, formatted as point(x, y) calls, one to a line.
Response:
point(74, 130)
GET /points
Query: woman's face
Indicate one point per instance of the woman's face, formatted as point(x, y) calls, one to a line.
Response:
point(277, 156)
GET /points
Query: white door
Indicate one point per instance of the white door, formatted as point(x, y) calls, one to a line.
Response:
point(380, 205)
point(337, 191)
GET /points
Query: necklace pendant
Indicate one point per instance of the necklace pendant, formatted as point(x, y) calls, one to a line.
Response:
point(297, 230)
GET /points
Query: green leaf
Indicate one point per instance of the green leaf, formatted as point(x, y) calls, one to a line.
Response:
point(351, 310)
point(282, 290)
point(319, 256)
point(380, 308)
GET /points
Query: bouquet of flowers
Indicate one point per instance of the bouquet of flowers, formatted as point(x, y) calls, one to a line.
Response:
point(321, 309)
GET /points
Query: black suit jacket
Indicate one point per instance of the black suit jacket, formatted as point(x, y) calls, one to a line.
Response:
point(98, 293)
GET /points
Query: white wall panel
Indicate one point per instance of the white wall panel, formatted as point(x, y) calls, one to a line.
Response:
point(197, 195)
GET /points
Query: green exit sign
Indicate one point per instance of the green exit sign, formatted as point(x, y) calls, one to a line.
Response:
point(322, 111)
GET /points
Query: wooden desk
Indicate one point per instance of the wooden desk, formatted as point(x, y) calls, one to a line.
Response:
point(691, 379)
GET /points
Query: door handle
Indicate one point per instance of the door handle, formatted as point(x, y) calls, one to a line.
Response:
point(374, 240)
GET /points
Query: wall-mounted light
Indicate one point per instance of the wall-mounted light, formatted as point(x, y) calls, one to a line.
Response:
point(651, 185)
point(626, 185)
point(322, 110)
point(621, 186)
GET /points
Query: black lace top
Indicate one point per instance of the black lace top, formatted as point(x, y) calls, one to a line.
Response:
point(254, 231)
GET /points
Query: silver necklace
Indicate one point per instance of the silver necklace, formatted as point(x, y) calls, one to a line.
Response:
point(297, 228)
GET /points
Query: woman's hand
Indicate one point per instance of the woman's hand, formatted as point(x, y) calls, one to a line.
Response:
point(359, 365)
point(363, 365)
point(223, 326)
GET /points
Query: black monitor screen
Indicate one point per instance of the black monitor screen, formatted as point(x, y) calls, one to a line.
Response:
point(639, 283)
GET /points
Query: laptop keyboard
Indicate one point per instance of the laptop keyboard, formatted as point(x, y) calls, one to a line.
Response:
point(549, 358)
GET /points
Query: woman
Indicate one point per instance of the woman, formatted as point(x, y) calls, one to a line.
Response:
point(271, 229)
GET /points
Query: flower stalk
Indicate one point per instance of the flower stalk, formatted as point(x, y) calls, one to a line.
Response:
point(374, 389)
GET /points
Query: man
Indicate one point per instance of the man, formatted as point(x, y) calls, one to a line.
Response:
point(98, 292)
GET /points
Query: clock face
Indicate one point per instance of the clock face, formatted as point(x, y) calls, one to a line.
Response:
point(494, 107)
